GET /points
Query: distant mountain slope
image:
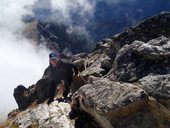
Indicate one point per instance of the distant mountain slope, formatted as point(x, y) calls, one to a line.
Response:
point(81, 31)
point(114, 17)
point(55, 36)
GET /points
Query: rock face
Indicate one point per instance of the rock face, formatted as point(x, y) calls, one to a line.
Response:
point(156, 85)
point(56, 36)
point(139, 59)
point(43, 116)
point(23, 96)
point(112, 92)
point(123, 83)
point(147, 30)
point(107, 102)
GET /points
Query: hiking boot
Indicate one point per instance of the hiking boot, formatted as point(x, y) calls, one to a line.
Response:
point(60, 100)
point(50, 101)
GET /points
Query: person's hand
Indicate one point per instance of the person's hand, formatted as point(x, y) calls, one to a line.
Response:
point(76, 75)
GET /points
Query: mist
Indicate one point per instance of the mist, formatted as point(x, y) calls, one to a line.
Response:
point(21, 62)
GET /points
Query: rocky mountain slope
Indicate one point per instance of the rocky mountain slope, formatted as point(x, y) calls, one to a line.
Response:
point(55, 37)
point(124, 83)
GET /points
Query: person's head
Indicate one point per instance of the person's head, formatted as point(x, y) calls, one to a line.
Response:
point(53, 58)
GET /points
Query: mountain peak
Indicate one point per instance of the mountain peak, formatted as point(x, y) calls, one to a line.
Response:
point(124, 81)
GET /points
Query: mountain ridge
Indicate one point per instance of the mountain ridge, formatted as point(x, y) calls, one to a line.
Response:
point(124, 81)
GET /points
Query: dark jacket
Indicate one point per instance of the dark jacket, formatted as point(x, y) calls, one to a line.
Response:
point(62, 71)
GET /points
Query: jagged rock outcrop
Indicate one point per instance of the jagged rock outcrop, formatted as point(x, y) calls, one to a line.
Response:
point(147, 30)
point(116, 94)
point(124, 82)
point(156, 85)
point(95, 65)
point(139, 59)
point(43, 116)
point(23, 96)
point(108, 102)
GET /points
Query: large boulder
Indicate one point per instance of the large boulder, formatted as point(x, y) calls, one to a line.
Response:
point(26, 96)
point(103, 96)
point(97, 65)
point(116, 105)
point(23, 96)
point(139, 59)
point(157, 86)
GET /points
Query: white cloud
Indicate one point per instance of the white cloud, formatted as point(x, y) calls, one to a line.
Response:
point(21, 62)
point(11, 12)
point(63, 11)
point(83, 7)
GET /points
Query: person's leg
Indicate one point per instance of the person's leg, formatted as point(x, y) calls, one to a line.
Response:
point(65, 93)
point(67, 85)
point(52, 91)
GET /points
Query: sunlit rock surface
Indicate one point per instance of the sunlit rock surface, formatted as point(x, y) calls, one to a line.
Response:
point(116, 105)
point(139, 59)
point(54, 115)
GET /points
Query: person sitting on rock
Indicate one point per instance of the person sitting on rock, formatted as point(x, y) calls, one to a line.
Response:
point(60, 71)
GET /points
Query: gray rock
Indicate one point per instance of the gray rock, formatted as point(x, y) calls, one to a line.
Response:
point(43, 116)
point(80, 63)
point(23, 96)
point(148, 29)
point(104, 44)
point(156, 85)
point(139, 59)
point(94, 65)
point(120, 105)
point(104, 96)
point(107, 65)
point(79, 56)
